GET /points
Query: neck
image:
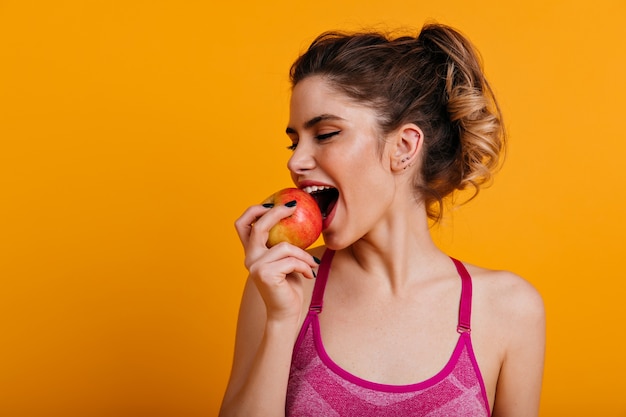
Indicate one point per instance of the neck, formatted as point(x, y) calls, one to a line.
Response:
point(400, 251)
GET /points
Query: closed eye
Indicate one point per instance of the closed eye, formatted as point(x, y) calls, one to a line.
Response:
point(327, 135)
point(321, 137)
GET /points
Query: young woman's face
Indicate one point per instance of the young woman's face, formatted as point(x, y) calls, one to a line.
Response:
point(336, 147)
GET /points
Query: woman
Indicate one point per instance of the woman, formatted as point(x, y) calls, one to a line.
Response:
point(382, 129)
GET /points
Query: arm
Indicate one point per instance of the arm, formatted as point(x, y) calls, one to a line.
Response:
point(262, 358)
point(519, 384)
point(269, 318)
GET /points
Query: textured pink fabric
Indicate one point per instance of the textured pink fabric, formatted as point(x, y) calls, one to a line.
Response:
point(318, 387)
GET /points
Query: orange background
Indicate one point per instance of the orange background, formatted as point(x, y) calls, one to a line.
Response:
point(134, 133)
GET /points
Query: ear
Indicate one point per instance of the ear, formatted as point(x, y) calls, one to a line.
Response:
point(407, 144)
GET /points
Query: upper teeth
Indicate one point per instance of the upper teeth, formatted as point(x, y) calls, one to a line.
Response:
point(312, 188)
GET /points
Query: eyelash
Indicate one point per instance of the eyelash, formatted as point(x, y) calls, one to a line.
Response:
point(327, 135)
point(318, 137)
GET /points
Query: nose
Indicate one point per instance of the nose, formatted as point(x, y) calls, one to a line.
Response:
point(302, 159)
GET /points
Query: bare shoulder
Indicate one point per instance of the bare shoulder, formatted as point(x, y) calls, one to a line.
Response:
point(506, 288)
point(508, 334)
point(504, 299)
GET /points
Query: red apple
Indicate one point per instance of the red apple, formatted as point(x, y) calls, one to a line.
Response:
point(303, 227)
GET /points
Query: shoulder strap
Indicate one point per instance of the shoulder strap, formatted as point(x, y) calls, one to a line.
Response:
point(317, 298)
point(465, 305)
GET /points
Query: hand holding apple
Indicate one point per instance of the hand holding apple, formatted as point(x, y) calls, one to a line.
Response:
point(303, 227)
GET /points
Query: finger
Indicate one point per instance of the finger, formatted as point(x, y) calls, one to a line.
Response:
point(260, 232)
point(287, 250)
point(244, 224)
point(276, 272)
point(273, 216)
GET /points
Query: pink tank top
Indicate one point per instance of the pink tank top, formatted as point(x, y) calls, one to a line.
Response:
point(318, 387)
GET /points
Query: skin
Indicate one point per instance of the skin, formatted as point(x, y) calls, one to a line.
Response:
point(391, 292)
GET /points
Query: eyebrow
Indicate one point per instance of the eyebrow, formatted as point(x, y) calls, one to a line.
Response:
point(309, 124)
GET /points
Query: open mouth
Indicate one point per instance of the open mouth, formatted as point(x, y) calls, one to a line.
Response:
point(325, 196)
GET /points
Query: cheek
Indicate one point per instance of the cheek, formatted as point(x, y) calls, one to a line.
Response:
point(365, 156)
point(371, 187)
point(364, 170)
point(371, 171)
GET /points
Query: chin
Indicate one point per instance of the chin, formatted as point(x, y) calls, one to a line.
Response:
point(334, 242)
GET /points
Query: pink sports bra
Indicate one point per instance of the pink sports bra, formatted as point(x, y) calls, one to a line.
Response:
point(318, 387)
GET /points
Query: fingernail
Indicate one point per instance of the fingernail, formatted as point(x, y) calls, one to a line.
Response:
point(291, 203)
point(317, 261)
point(314, 274)
point(268, 205)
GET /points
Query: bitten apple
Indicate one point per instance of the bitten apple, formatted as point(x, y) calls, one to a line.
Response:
point(303, 227)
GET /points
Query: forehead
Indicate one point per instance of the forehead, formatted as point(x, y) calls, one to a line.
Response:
point(315, 96)
point(315, 91)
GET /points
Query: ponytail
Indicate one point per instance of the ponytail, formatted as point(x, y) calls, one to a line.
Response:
point(472, 110)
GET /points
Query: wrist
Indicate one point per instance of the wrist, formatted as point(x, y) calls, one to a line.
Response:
point(282, 325)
